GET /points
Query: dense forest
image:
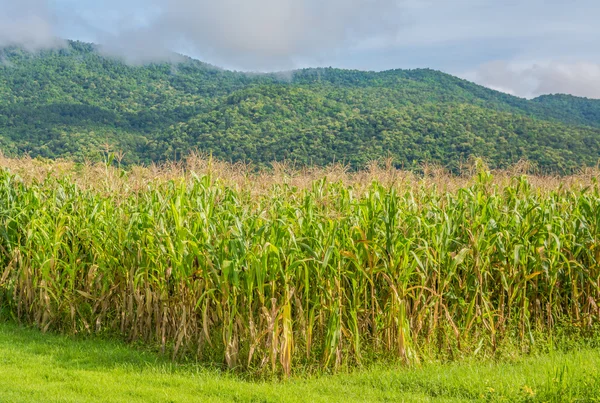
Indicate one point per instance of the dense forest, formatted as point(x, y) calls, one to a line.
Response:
point(74, 101)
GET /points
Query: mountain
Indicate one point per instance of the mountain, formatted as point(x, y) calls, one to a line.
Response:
point(572, 109)
point(71, 102)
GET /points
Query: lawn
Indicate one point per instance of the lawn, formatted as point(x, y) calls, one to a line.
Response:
point(36, 367)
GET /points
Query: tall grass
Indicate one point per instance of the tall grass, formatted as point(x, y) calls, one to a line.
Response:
point(314, 272)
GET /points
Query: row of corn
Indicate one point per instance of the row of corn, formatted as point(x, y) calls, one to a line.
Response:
point(324, 276)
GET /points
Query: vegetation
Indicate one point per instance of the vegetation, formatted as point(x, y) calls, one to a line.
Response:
point(71, 102)
point(50, 368)
point(308, 271)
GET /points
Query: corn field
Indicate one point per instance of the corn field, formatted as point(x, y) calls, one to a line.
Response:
point(323, 275)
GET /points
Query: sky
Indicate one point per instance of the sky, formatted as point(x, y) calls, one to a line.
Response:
point(522, 47)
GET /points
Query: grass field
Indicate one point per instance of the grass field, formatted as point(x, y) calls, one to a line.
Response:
point(37, 367)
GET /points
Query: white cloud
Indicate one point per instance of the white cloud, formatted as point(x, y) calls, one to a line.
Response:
point(371, 34)
point(253, 34)
point(27, 23)
point(530, 80)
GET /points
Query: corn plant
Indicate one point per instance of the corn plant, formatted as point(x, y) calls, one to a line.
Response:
point(325, 276)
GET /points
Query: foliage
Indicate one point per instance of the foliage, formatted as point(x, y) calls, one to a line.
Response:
point(324, 275)
point(581, 109)
point(71, 102)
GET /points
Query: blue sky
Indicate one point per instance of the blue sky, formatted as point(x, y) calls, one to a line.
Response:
point(526, 47)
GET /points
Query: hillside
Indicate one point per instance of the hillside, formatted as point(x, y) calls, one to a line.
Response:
point(70, 102)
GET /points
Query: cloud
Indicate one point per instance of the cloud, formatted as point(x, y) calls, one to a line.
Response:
point(28, 23)
point(249, 34)
point(531, 80)
point(269, 35)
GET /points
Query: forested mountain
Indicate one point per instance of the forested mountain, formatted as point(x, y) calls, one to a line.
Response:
point(71, 102)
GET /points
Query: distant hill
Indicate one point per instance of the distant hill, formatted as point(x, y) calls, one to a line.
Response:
point(72, 101)
point(572, 109)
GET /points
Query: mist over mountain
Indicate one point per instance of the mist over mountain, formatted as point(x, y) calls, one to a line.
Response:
point(72, 101)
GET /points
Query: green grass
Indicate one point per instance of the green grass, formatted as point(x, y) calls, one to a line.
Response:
point(36, 367)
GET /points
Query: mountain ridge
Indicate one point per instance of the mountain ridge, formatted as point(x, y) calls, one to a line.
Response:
point(70, 102)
